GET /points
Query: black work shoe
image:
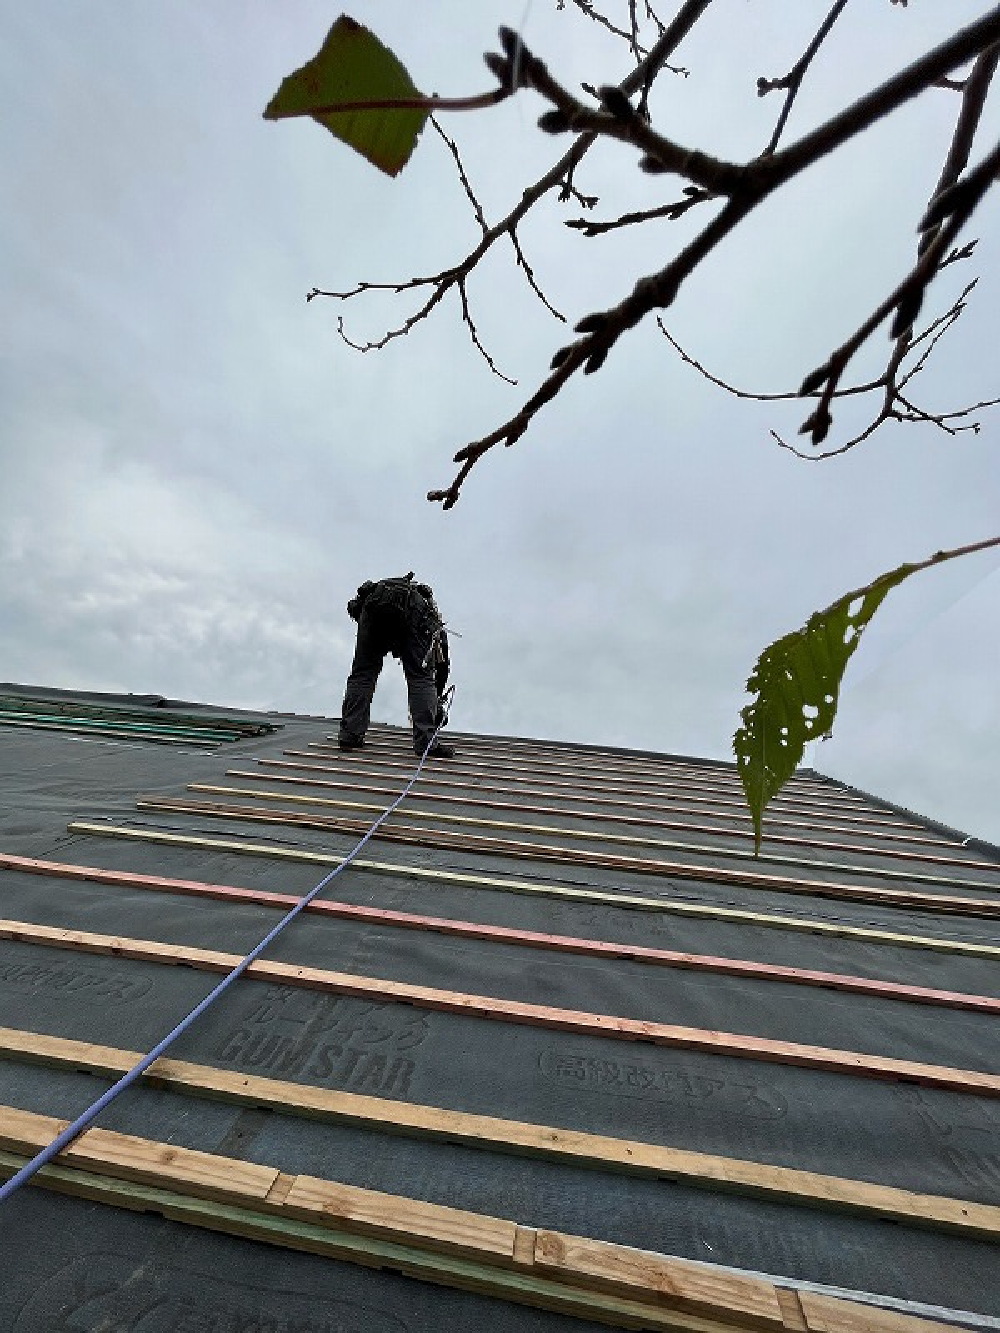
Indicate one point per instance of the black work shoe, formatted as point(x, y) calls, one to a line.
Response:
point(348, 743)
point(439, 751)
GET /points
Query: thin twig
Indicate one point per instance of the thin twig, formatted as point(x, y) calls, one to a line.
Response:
point(672, 211)
point(788, 395)
point(470, 194)
point(792, 81)
point(631, 36)
point(529, 274)
point(474, 334)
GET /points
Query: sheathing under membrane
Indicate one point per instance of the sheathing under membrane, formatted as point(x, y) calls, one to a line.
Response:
point(903, 1135)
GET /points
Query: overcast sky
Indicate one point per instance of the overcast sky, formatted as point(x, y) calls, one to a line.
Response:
point(197, 472)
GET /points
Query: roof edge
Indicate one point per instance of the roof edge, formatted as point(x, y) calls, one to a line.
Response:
point(925, 821)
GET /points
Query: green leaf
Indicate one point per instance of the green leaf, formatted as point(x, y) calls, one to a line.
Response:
point(797, 684)
point(353, 67)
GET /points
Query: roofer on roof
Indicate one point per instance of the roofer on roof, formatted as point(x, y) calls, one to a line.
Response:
point(400, 617)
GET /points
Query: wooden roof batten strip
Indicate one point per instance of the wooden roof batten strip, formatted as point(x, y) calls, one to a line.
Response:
point(648, 761)
point(574, 759)
point(493, 883)
point(585, 766)
point(632, 839)
point(572, 796)
point(433, 837)
point(569, 791)
point(814, 802)
point(537, 1267)
point(508, 935)
point(582, 1022)
point(786, 1185)
point(355, 776)
point(356, 761)
point(472, 768)
point(614, 818)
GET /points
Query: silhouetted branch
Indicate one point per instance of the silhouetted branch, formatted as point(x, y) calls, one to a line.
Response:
point(558, 175)
point(893, 405)
point(694, 195)
point(954, 199)
point(632, 34)
point(792, 81)
point(746, 187)
point(529, 274)
point(477, 207)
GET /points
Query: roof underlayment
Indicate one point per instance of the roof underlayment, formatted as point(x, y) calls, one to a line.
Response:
point(557, 1000)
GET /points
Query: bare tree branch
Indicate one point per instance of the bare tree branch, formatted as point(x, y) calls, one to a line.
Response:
point(693, 196)
point(456, 157)
point(893, 405)
point(749, 185)
point(455, 276)
point(959, 201)
point(631, 35)
point(974, 90)
point(792, 81)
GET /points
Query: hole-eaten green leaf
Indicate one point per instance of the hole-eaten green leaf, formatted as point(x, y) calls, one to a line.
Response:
point(795, 687)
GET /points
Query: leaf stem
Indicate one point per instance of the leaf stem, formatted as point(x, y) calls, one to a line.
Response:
point(477, 103)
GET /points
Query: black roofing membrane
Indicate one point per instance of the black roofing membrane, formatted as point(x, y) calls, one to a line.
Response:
point(544, 871)
point(86, 1264)
point(88, 1268)
point(915, 1138)
point(628, 989)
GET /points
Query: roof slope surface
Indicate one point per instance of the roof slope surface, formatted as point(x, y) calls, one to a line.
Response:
point(555, 1001)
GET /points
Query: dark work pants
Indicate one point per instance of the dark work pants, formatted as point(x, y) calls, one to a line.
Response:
point(378, 634)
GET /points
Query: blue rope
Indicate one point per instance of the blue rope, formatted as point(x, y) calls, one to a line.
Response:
point(88, 1117)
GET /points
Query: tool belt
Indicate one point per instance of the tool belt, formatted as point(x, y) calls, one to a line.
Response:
point(407, 607)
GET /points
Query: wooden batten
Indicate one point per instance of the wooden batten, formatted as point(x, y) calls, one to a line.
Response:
point(828, 1059)
point(373, 1213)
point(415, 875)
point(127, 1157)
point(702, 1170)
point(539, 1267)
point(622, 812)
point(670, 1282)
point(483, 933)
point(685, 801)
point(431, 836)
